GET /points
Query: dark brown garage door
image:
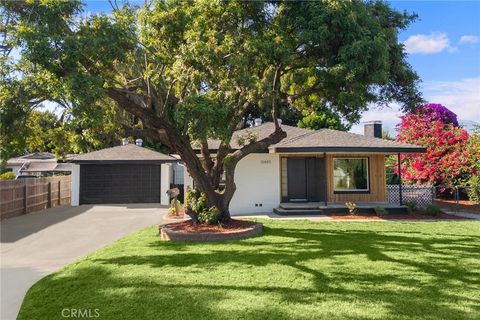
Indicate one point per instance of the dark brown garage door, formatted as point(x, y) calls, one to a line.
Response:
point(119, 183)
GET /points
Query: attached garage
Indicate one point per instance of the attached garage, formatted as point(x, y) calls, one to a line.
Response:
point(123, 174)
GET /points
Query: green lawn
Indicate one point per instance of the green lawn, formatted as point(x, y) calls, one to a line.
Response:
point(297, 270)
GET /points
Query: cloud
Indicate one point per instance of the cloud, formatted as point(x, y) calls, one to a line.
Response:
point(468, 39)
point(462, 97)
point(427, 44)
point(390, 117)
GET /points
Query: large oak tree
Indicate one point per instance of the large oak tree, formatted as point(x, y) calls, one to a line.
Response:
point(189, 71)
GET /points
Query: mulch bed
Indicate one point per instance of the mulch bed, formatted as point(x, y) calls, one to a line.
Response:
point(189, 226)
point(186, 231)
point(412, 216)
point(180, 215)
point(463, 205)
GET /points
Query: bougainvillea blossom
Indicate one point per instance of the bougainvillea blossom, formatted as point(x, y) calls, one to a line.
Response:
point(447, 161)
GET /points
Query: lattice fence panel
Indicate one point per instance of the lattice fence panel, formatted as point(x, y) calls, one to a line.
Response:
point(422, 195)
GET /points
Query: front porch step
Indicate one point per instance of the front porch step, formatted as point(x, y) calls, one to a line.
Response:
point(301, 205)
point(297, 211)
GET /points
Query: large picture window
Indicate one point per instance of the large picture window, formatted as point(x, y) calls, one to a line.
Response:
point(350, 174)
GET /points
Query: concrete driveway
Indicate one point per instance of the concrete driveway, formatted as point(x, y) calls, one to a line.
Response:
point(35, 245)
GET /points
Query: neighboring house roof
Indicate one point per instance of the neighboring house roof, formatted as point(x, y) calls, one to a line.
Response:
point(32, 157)
point(39, 166)
point(63, 167)
point(323, 140)
point(124, 153)
point(329, 140)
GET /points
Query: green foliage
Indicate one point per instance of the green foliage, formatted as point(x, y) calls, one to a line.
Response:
point(197, 202)
point(473, 188)
point(411, 205)
point(380, 211)
point(352, 207)
point(211, 63)
point(247, 138)
point(321, 118)
point(210, 216)
point(391, 170)
point(7, 176)
point(387, 135)
point(432, 210)
point(194, 69)
point(228, 161)
point(474, 150)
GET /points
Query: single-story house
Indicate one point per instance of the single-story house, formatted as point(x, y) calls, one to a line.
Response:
point(37, 163)
point(128, 173)
point(311, 166)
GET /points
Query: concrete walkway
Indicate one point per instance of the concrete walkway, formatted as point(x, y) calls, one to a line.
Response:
point(319, 217)
point(35, 245)
point(462, 214)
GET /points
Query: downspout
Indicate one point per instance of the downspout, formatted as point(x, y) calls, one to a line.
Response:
point(399, 179)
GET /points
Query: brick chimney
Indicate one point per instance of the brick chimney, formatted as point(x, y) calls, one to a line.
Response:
point(373, 129)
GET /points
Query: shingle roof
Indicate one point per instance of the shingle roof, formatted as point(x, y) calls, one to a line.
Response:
point(260, 132)
point(335, 140)
point(323, 140)
point(39, 166)
point(129, 152)
point(32, 157)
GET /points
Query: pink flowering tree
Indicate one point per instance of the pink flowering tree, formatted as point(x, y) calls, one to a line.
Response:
point(447, 162)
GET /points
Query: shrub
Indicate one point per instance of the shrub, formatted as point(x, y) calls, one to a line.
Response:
point(380, 211)
point(196, 200)
point(352, 207)
point(7, 176)
point(210, 216)
point(473, 188)
point(199, 211)
point(448, 158)
point(432, 210)
point(411, 205)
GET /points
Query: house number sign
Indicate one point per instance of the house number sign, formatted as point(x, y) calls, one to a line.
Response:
point(266, 161)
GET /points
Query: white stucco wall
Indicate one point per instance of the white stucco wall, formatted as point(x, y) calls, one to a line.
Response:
point(257, 178)
point(15, 169)
point(166, 173)
point(75, 185)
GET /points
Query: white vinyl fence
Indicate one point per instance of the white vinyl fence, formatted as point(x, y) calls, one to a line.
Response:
point(422, 195)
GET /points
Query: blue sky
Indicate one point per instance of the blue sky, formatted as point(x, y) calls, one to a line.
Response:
point(444, 49)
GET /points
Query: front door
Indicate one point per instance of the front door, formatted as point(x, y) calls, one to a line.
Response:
point(297, 179)
point(306, 179)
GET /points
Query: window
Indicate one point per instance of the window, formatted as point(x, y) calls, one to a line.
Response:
point(350, 174)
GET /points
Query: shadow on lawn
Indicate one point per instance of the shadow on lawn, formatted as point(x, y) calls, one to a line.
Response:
point(400, 292)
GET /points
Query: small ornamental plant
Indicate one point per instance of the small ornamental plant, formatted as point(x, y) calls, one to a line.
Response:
point(411, 206)
point(380, 211)
point(432, 210)
point(196, 207)
point(352, 207)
